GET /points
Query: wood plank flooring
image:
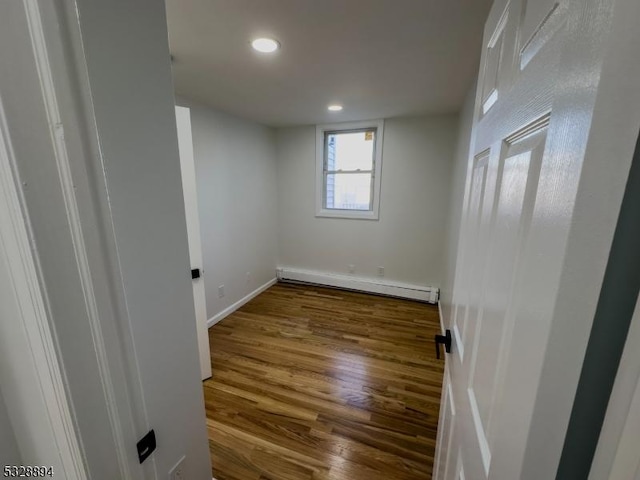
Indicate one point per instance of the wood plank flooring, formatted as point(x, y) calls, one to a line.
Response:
point(315, 383)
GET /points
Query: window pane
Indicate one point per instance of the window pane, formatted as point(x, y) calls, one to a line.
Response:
point(348, 191)
point(350, 150)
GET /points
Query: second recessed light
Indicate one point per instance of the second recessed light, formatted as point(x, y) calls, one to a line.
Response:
point(334, 108)
point(265, 45)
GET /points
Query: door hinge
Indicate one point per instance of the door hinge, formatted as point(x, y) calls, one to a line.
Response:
point(195, 273)
point(146, 446)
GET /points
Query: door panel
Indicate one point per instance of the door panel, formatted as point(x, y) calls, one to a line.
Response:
point(476, 196)
point(536, 13)
point(447, 423)
point(494, 64)
point(541, 19)
point(478, 262)
point(460, 468)
point(517, 179)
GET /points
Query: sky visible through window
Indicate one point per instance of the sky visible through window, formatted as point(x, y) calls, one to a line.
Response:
point(348, 152)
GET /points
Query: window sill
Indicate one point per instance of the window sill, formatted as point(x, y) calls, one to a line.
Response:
point(349, 214)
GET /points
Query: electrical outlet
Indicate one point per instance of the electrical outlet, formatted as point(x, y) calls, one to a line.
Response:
point(179, 472)
point(248, 277)
point(352, 268)
point(221, 291)
point(381, 271)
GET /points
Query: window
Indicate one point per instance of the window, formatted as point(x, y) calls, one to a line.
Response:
point(348, 165)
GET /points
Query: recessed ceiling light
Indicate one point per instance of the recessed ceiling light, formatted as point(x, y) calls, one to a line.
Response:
point(334, 108)
point(265, 45)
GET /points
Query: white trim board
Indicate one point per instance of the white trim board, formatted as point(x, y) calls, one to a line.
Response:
point(442, 329)
point(232, 308)
point(42, 367)
point(361, 284)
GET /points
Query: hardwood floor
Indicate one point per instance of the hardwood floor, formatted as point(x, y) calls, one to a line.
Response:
point(314, 383)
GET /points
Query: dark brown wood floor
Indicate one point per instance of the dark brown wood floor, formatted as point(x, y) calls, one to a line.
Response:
point(314, 383)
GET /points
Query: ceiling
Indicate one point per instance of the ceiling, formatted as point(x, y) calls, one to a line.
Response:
point(378, 58)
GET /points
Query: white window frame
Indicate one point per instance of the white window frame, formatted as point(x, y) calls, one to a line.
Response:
point(321, 211)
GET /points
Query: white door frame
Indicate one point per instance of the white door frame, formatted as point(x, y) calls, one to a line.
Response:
point(616, 457)
point(17, 249)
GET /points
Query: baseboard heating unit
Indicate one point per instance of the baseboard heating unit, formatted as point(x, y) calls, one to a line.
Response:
point(360, 284)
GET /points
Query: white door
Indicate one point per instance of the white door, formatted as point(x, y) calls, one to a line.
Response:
point(187, 165)
point(527, 278)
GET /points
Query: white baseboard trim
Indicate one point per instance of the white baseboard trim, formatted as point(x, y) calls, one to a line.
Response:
point(381, 287)
point(232, 308)
point(441, 317)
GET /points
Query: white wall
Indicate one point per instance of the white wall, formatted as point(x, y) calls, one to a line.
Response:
point(236, 182)
point(461, 160)
point(408, 240)
point(9, 454)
